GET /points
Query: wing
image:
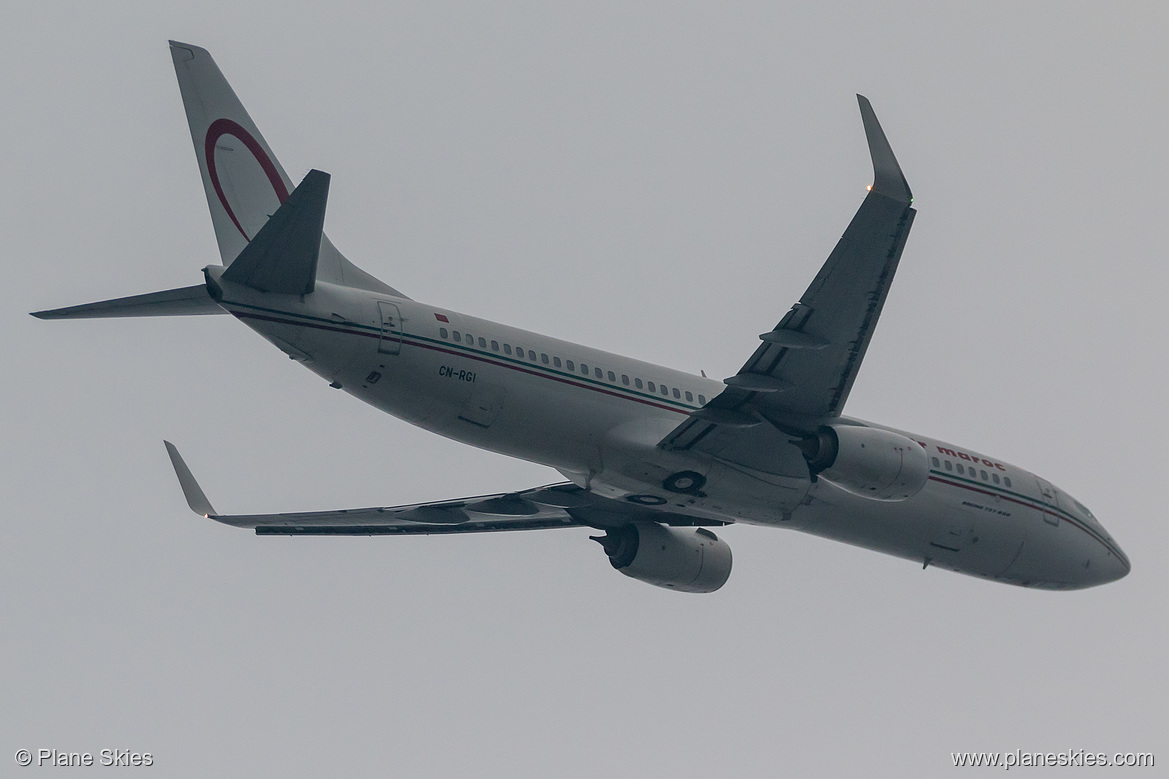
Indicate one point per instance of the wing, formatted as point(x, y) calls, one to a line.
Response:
point(555, 505)
point(803, 371)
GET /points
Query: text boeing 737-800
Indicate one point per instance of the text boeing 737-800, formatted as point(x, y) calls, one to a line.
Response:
point(653, 457)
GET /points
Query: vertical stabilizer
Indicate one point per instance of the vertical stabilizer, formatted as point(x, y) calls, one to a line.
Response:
point(243, 180)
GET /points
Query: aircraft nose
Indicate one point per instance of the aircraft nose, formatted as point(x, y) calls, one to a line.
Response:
point(1117, 566)
point(1107, 565)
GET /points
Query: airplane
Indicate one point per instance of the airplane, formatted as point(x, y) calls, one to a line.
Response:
point(652, 458)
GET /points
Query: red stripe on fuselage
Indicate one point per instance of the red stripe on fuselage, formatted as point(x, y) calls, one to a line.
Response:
point(1034, 505)
point(469, 356)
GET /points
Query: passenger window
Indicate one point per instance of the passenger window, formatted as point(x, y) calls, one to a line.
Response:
point(995, 478)
point(984, 476)
point(556, 361)
point(949, 465)
point(544, 358)
point(624, 379)
point(531, 355)
point(653, 387)
point(482, 343)
point(507, 348)
point(665, 390)
point(470, 340)
point(598, 373)
point(637, 383)
point(702, 399)
point(1007, 480)
point(457, 336)
point(495, 346)
point(584, 369)
point(677, 394)
point(570, 365)
point(936, 463)
point(961, 469)
point(443, 332)
point(612, 377)
point(689, 396)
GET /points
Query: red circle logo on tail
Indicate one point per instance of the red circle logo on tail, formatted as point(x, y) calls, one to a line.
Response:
point(222, 127)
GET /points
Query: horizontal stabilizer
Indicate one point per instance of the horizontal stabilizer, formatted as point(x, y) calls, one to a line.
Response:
point(283, 256)
point(186, 301)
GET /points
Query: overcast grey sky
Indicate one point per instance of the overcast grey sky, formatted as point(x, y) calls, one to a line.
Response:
point(661, 180)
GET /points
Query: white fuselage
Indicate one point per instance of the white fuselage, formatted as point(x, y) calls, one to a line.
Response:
point(598, 417)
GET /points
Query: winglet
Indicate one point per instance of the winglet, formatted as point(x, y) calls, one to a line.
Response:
point(191, 490)
point(888, 180)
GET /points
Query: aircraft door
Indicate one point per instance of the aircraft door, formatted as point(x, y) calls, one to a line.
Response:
point(1050, 502)
point(390, 341)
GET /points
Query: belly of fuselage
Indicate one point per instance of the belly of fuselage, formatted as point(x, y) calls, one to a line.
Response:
point(609, 444)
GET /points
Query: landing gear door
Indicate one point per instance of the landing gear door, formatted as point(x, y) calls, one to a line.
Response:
point(390, 341)
point(1050, 502)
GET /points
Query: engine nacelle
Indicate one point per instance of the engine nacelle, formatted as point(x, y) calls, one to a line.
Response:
point(868, 461)
point(684, 560)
